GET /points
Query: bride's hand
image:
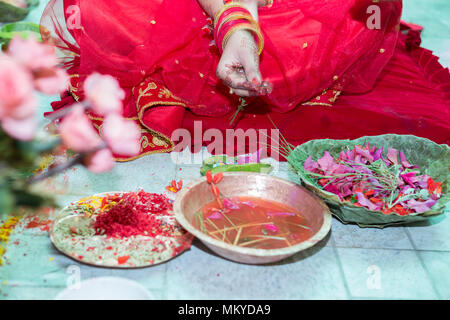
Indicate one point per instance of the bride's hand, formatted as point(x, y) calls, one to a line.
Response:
point(239, 66)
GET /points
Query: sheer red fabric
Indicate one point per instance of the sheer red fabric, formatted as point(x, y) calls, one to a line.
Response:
point(314, 51)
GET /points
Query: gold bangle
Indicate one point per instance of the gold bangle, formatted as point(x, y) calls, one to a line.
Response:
point(245, 26)
point(237, 16)
point(225, 8)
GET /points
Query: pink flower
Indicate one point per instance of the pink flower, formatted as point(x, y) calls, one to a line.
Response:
point(17, 3)
point(32, 54)
point(77, 131)
point(52, 82)
point(104, 93)
point(100, 161)
point(16, 89)
point(17, 100)
point(121, 135)
point(21, 129)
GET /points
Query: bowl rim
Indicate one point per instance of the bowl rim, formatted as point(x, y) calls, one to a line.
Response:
point(316, 238)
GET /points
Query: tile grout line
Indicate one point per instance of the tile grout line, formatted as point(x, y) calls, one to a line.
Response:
point(341, 271)
point(416, 251)
point(396, 249)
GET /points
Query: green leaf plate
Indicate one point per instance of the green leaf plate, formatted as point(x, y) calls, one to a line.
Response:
point(433, 159)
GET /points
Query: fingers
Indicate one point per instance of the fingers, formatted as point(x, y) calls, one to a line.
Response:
point(251, 69)
point(234, 77)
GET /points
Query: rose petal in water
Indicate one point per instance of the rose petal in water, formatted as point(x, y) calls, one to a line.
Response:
point(216, 215)
point(230, 204)
point(271, 227)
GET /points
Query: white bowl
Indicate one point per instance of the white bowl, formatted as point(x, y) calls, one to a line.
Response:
point(105, 288)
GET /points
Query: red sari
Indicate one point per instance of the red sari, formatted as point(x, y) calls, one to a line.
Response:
point(333, 77)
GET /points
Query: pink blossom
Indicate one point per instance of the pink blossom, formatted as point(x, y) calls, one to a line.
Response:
point(32, 54)
point(77, 131)
point(121, 135)
point(52, 82)
point(17, 3)
point(21, 129)
point(16, 90)
point(100, 161)
point(17, 100)
point(104, 93)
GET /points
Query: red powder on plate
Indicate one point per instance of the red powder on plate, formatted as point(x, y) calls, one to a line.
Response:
point(134, 214)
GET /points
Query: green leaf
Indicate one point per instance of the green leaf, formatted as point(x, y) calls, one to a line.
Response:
point(22, 29)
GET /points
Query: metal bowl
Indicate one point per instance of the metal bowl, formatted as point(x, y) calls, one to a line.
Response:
point(194, 196)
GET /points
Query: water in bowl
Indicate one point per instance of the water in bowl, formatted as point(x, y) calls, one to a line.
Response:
point(253, 223)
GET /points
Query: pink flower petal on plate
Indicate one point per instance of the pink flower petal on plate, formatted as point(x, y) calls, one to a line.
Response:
point(421, 207)
point(333, 189)
point(409, 177)
point(422, 181)
point(392, 155)
point(364, 153)
point(326, 163)
point(405, 163)
point(378, 154)
point(310, 165)
point(362, 200)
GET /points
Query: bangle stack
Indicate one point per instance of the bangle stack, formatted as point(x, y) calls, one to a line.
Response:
point(231, 18)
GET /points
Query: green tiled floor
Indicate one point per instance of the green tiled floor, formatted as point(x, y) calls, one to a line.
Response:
point(352, 263)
